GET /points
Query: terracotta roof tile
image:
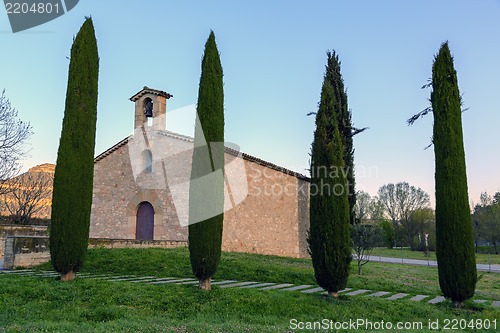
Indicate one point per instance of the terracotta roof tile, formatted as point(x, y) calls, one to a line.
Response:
point(147, 90)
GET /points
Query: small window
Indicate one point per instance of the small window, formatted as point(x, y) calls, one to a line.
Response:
point(147, 161)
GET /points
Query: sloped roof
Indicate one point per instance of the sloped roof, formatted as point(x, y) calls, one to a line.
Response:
point(147, 90)
point(228, 150)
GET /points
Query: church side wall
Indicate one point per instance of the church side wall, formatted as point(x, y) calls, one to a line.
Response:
point(273, 219)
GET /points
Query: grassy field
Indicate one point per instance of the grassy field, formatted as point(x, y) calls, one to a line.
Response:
point(407, 254)
point(84, 305)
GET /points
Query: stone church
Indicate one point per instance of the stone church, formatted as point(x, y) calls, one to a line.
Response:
point(142, 182)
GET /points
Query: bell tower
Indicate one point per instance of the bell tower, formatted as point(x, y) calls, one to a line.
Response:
point(150, 104)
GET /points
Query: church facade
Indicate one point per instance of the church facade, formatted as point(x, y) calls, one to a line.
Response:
point(141, 190)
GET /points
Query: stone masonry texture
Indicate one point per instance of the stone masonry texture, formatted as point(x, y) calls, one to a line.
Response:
point(273, 219)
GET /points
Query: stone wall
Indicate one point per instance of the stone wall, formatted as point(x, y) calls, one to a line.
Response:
point(108, 243)
point(27, 251)
point(273, 219)
point(19, 230)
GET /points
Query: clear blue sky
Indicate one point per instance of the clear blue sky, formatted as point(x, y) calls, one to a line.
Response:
point(273, 55)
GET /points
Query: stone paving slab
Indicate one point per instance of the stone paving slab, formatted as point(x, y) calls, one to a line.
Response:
point(45, 272)
point(379, 294)
point(145, 280)
point(165, 279)
point(134, 278)
point(342, 291)
point(278, 286)
point(496, 304)
point(111, 278)
point(397, 296)
point(169, 280)
point(304, 286)
point(480, 301)
point(190, 282)
point(124, 277)
point(90, 276)
point(436, 300)
point(98, 277)
point(258, 285)
point(223, 282)
point(314, 290)
point(418, 298)
point(239, 284)
point(345, 290)
point(138, 278)
point(357, 292)
point(18, 271)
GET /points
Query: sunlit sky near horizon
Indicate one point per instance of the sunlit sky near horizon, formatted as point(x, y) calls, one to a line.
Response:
point(273, 54)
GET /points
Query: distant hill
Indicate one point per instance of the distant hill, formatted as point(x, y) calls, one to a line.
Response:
point(30, 194)
point(46, 167)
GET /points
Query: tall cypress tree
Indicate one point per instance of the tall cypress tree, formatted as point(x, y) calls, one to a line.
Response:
point(455, 241)
point(329, 242)
point(73, 177)
point(205, 237)
point(344, 124)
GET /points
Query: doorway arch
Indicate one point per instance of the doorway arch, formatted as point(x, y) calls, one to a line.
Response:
point(145, 220)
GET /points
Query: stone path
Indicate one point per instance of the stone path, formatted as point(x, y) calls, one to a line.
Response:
point(306, 289)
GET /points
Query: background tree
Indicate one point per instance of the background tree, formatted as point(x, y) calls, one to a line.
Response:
point(73, 177)
point(388, 234)
point(420, 223)
point(400, 201)
point(30, 195)
point(205, 237)
point(454, 234)
point(487, 217)
point(362, 206)
point(364, 237)
point(368, 209)
point(329, 242)
point(13, 136)
point(376, 210)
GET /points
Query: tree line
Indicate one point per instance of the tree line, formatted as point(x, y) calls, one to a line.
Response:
point(329, 235)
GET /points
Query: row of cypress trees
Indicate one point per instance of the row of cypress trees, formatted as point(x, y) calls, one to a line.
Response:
point(332, 198)
point(330, 211)
point(73, 178)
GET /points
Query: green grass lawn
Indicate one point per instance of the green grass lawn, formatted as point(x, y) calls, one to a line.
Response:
point(84, 305)
point(407, 254)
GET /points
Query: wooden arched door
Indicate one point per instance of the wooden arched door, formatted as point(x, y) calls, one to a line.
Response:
point(144, 227)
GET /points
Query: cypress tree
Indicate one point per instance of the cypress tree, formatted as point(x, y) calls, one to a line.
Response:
point(344, 123)
point(73, 177)
point(455, 242)
point(205, 237)
point(329, 242)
